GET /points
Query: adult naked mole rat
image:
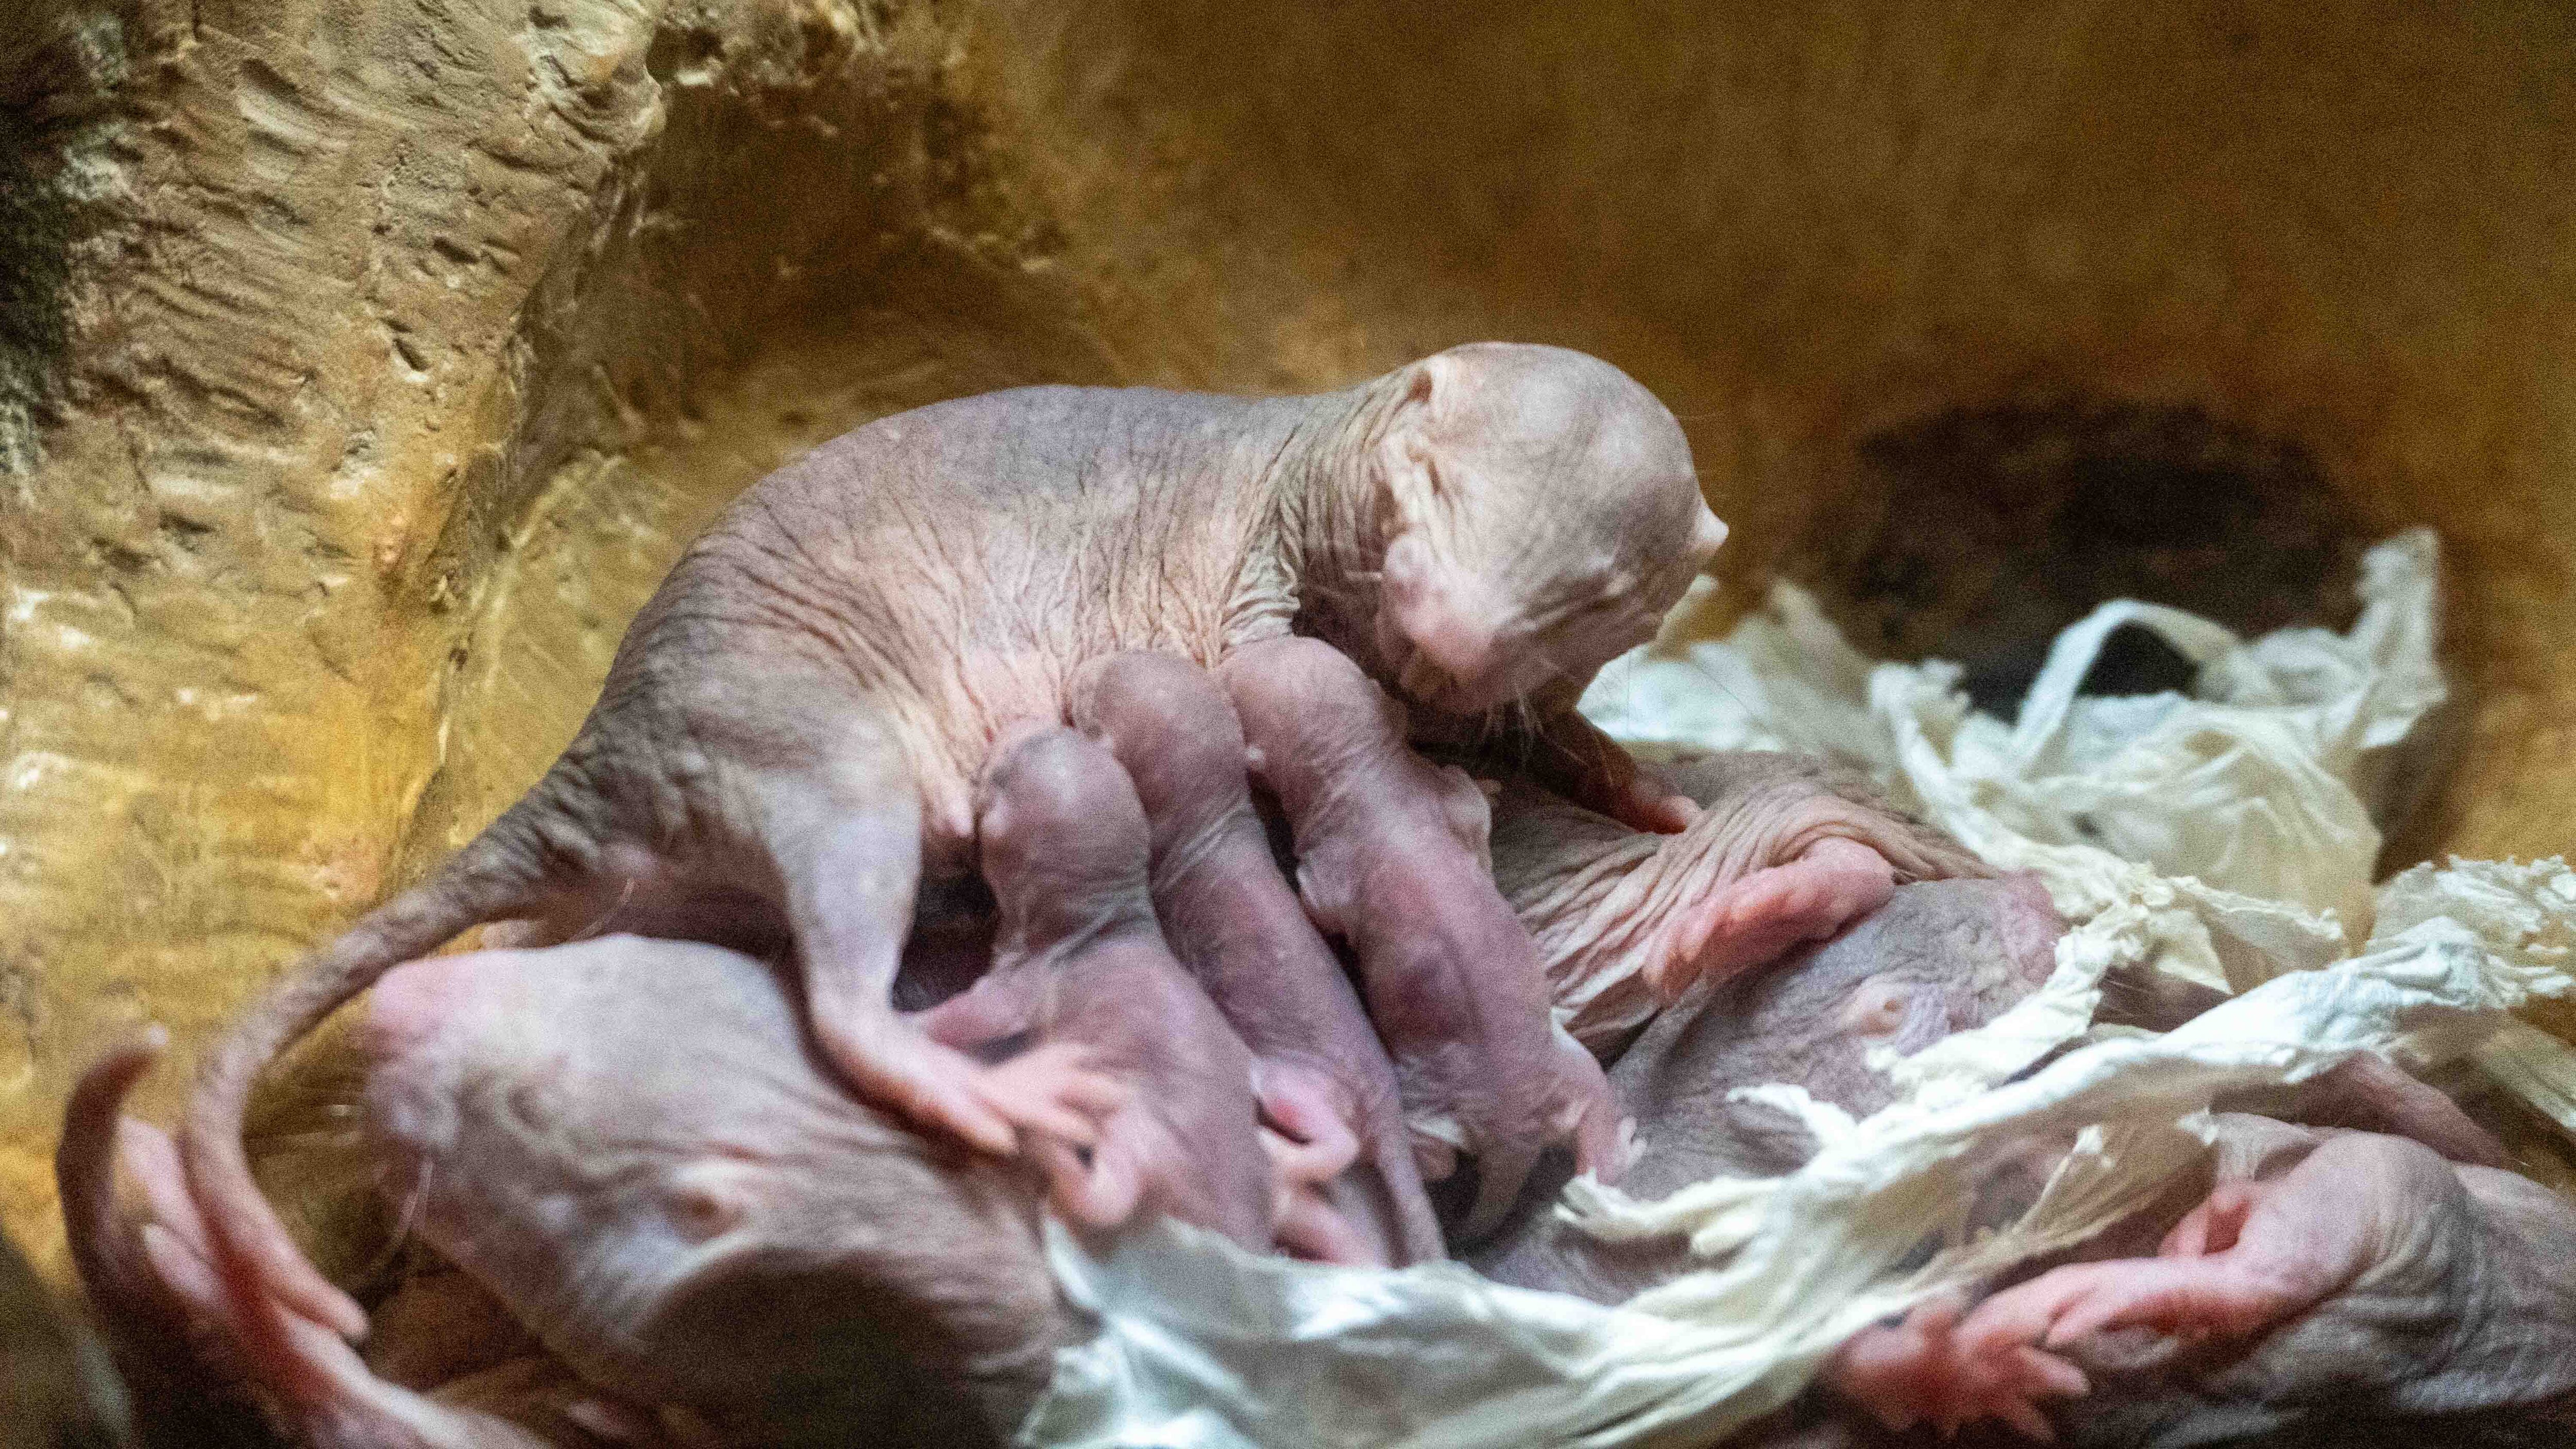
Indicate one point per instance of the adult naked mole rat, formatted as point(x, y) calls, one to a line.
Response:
point(2322, 1276)
point(1938, 957)
point(789, 731)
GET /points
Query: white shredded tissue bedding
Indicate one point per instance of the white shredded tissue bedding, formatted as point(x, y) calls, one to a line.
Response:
point(2225, 836)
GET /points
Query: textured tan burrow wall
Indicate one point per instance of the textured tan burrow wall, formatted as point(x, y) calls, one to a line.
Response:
point(363, 362)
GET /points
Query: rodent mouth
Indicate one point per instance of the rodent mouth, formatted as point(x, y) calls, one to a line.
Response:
point(1421, 679)
point(1436, 688)
point(1495, 689)
point(1516, 668)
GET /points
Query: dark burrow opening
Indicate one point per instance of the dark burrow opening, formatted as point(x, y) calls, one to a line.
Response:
point(1978, 534)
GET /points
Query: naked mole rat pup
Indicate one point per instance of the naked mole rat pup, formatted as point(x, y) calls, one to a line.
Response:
point(795, 719)
point(1387, 852)
point(1079, 957)
point(1327, 1086)
point(1390, 857)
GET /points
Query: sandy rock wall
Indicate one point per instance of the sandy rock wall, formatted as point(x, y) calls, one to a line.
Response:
point(375, 363)
point(364, 362)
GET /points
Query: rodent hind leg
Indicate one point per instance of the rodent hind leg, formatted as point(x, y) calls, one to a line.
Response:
point(847, 851)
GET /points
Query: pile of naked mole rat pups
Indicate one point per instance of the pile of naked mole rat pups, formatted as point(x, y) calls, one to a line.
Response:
point(1082, 807)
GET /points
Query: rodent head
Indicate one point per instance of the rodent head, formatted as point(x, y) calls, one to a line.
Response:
point(1062, 838)
point(1940, 957)
point(632, 1144)
point(1540, 513)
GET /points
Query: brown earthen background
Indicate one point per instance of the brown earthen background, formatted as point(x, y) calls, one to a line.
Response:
point(364, 362)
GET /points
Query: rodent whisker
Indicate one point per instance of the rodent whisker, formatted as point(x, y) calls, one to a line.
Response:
point(405, 1223)
point(599, 922)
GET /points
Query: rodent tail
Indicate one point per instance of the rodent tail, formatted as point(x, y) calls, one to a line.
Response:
point(202, 1368)
point(498, 875)
point(120, 1285)
point(177, 1394)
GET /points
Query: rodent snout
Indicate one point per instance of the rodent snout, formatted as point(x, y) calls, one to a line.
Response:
point(1053, 794)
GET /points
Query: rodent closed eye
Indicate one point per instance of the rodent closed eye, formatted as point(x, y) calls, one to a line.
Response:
point(1877, 1007)
point(704, 1202)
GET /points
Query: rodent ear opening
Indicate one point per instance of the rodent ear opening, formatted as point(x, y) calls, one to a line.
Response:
point(1429, 398)
point(1408, 484)
point(1419, 388)
point(1877, 1007)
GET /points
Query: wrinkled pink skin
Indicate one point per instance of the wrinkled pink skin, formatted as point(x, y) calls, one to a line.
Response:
point(1391, 862)
point(1785, 850)
point(1328, 1091)
point(1080, 962)
point(786, 744)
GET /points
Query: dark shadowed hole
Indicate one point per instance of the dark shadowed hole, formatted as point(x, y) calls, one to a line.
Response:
point(1978, 534)
point(2135, 660)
